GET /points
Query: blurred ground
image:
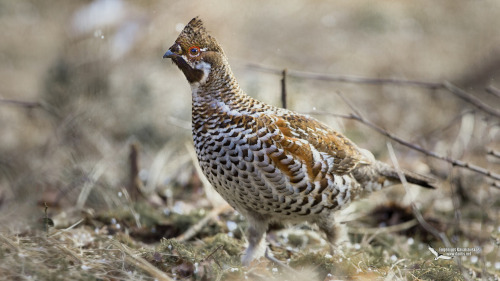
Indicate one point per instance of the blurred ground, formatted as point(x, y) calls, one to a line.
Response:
point(82, 81)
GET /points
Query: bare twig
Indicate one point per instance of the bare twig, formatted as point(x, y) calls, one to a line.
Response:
point(27, 104)
point(136, 260)
point(67, 229)
point(130, 207)
point(353, 108)
point(46, 219)
point(70, 254)
point(449, 125)
point(495, 185)
point(346, 79)
point(135, 186)
point(494, 91)
point(194, 229)
point(30, 105)
point(283, 88)
point(454, 162)
point(388, 229)
point(213, 252)
point(494, 153)
point(416, 212)
point(471, 99)
point(13, 246)
point(457, 218)
point(378, 81)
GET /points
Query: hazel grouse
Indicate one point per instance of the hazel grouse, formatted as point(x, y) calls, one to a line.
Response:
point(270, 164)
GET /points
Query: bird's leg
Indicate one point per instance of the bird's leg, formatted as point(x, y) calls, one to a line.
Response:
point(335, 233)
point(256, 241)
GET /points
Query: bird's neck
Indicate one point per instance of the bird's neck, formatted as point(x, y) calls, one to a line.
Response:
point(219, 87)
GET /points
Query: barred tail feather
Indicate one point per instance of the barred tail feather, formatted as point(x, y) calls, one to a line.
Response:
point(376, 175)
point(391, 174)
point(379, 174)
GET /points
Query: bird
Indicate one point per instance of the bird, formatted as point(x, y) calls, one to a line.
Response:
point(270, 164)
point(438, 256)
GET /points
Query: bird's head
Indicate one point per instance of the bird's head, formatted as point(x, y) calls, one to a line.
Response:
point(196, 53)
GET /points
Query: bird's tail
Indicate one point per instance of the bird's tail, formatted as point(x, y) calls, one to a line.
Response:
point(391, 174)
point(378, 174)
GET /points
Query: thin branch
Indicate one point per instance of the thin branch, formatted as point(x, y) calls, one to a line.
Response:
point(27, 104)
point(416, 211)
point(13, 246)
point(283, 88)
point(194, 229)
point(388, 229)
point(457, 217)
point(66, 229)
point(449, 125)
point(471, 99)
point(495, 185)
point(353, 108)
point(31, 105)
point(135, 185)
point(494, 153)
point(135, 259)
point(346, 79)
point(221, 246)
point(454, 162)
point(379, 81)
point(494, 91)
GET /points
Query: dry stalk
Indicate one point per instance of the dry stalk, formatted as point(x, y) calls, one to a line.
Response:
point(143, 264)
point(194, 229)
point(26, 104)
point(416, 212)
point(283, 88)
point(494, 91)
point(388, 229)
point(494, 153)
point(471, 99)
point(135, 186)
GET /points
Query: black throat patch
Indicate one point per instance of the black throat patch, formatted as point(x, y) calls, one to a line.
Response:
point(192, 75)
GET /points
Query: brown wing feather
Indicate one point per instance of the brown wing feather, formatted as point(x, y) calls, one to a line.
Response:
point(300, 131)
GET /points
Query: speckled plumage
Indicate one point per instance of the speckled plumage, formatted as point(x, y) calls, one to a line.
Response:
point(270, 164)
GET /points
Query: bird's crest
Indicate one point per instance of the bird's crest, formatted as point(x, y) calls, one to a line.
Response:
point(195, 34)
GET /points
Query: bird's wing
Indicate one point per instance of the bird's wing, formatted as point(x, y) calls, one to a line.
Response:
point(433, 251)
point(306, 138)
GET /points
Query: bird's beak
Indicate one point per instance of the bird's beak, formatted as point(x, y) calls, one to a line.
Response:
point(173, 52)
point(169, 54)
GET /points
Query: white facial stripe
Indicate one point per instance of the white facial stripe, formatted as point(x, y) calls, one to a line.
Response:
point(205, 67)
point(186, 60)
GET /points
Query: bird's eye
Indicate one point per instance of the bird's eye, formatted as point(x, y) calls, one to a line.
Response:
point(194, 51)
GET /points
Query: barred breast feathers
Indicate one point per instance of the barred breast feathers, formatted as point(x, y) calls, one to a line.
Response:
point(299, 136)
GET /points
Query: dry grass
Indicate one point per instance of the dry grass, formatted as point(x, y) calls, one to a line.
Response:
point(75, 94)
